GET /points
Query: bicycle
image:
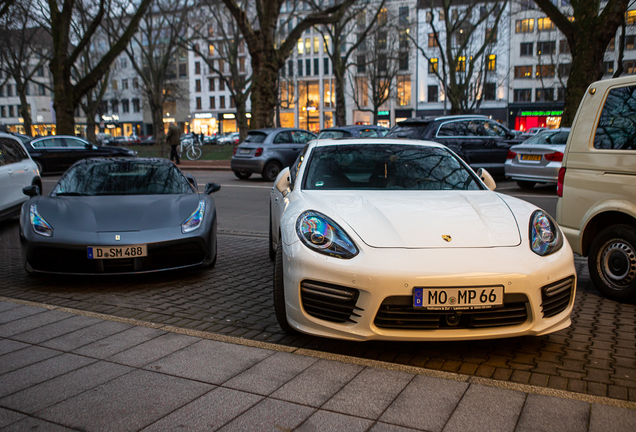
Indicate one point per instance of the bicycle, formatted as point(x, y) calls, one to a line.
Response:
point(191, 148)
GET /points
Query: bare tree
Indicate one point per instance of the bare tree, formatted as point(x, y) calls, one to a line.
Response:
point(220, 44)
point(267, 58)
point(6, 5)
point(458, 40)
point(25, 49)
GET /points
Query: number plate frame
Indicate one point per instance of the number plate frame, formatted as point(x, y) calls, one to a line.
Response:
point(117, 252)
point(531, 158)
point(245, 151)
point(458, 298)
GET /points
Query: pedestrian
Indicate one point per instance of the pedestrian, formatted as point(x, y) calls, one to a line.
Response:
point(173, 140)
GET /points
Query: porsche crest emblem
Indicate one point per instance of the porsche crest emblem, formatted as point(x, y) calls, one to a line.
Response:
point(446, 238)
point(117, 237)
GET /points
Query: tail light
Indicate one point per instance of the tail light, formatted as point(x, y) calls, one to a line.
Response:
point(511, 155)
point(560, 181)
point(259, 151)
point(554, 157)
point(234, 152)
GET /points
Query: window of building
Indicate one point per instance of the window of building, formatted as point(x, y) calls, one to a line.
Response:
point(608, 67)
point(432, 41)
point(300, 68)
point(325, 66)
point(403, 59)
point(433, 65)
point(525, 49)
point(222, 102)
point(307, 45)
point(564, 69)
point(404, 90)
point(135, 83)
point(307, 67)
point(382, 40)
point(524, 26)
point(136, 107)
point(361, 64)
point(630, 17)
point(492, 63)
point(10, 110)
point(221, 84)
point(564, 46)
point(490, 91)
point(3, 111)
point(290, 68)
point(9, 89)
point(42, 90)
point(382, 17)
point(491, 35)
point(383, 62)
point(429, 17)
point(210, 84)
point(523, 72)
point(403, 16)
point(432, 93)
point(545, 71)
point(197, 85)
point(630, 42)
point(232, 103)
point(329, 100)
point(114, 85)
point(114, 106)
point(461, 64)
point(1, 89)
point(523, 95)
point(546, 47)
point(40, 71)
point(325, 43)
point(316, 66)
point(183, 71)
point(125, 106)
point(124, 84)
point(198, 102)
point(316, 45)
point(362, 91)
point(629, 66)
point(211, 50)
point(212, 102)
point(124, 62)
point(545, 24)
point(561, 94)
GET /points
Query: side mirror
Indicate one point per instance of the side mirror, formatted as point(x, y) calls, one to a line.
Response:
point(487, 179)
point(31, 191)
point(192, 180)
point(282, 181)
point(211, 188)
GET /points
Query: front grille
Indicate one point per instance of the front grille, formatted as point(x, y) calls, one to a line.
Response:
point(397, 312)
point(556, 297)
point(329, 302)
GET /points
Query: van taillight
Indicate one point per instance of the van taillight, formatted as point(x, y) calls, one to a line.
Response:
point(560, 181)
point(511, 155)
point(554, 157)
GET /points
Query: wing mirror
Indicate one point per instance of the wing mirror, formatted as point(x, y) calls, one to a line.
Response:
point(31, 191)
point(487, 179)
point(283, 182)
point(211, 188)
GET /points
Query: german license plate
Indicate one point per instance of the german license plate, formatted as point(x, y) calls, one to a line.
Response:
point(531, 157)
point(117, 252)
point(244, 151)
point(458, 298)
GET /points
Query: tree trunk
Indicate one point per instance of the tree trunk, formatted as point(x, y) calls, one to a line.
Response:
point(341, 107)
point(264, 91)
point(90, 126)
point(24, 111)
point(241, 120)
point(156, 110)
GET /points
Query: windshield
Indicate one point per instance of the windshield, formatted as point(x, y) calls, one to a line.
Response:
point(333, 134)
point(118, 177)
point(386, 166)
point(549, 137)
point(407, 130)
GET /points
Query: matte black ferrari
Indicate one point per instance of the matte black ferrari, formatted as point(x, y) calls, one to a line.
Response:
point(119, 216)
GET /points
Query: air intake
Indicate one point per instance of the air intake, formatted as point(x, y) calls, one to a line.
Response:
point(329, 302)
point(556, 297)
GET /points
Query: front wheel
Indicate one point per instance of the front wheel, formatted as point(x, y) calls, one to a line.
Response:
point(612, 262)
point(279, 294)
point(523, 184)
point(271, 171)
point(194, 153)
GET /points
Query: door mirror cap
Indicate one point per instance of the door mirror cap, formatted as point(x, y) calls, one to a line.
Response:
point(31, 191)
point(212, 187)
point(487, 179)
point(283, 181)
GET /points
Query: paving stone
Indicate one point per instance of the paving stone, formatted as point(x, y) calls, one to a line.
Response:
point(546, 413)
point(17, 359)
point(486, 409)
point(270, 415)
point(210, 361)
point(119, 342)
point(8, 345)
point(426, 403)
point(31, 423)
point(605, 418)
point(152, 350)
point(7, 417)
point(5, 306)
point(369, 393)
point(334, 422)
point(58, 389)
point(78, 338)
point(270, 374)
point(207, 413)
point(56, 329)
point(318, 383)
point(31, 322)
point(19, 312)
point(127, 403)
point(385, 427)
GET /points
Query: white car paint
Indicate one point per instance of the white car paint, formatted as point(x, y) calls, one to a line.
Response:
point(14, 175)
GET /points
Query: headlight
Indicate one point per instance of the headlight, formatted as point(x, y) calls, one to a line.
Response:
point(321, 234)
point(545, 236)
point(194, 220)
point(40, 226)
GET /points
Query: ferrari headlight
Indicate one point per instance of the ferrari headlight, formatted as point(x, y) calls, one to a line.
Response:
point(194, 220)
point(40, 226)
point(320, 234)
point(545, 236)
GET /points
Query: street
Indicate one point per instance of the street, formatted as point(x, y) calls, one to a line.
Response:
point(594, 356)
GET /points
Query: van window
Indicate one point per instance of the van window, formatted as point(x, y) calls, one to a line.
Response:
point(617, 127)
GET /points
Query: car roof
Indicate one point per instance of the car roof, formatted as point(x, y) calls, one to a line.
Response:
point(272, 130)
point(352, 127)
point(366, 141)
point(430, 119)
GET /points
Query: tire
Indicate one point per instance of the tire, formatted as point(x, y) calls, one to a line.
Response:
point(279, 294)
point(194, 153)
point(272, 250)
point(39, 165)
point(271, 171)
point(612, 262)
point(242, 175)
point(523, 184)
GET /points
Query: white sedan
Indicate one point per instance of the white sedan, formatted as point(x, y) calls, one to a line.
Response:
point(401, 240)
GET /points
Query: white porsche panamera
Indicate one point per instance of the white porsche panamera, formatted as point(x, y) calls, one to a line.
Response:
point(401, 240)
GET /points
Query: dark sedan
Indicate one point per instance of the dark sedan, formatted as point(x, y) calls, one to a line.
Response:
point(58, 152)
point(356, 131)
point(119, 216)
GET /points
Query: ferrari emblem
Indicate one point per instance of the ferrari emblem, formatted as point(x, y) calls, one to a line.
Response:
point(117, 237)
point(446, 238)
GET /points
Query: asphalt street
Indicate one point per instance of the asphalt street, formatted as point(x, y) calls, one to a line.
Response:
point(595, 356)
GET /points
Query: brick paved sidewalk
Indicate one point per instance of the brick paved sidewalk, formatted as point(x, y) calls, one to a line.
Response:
point(62, 369)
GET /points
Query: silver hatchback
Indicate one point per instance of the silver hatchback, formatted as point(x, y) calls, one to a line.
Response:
point(268, 151)
point(538, 159)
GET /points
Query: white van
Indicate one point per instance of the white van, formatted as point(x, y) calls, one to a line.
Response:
point(17, 171)
point(597, 186)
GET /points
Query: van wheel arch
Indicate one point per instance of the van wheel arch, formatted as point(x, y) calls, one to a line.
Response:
point(601, 221)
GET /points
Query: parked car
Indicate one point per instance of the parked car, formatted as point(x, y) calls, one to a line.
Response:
point(357, 131)
point(228, 139)
point(101, 217)
point(104, 138)
point(147, 140)
point(538, 159)
point(597, 186)
point(17, 171)
point(58, 152)
point(400, 240)
point(531, 132)
point(268, 151)
point(480, 141)
point(210, 139)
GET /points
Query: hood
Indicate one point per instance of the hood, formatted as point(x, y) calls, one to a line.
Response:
point(413, 219)
point(117, 213)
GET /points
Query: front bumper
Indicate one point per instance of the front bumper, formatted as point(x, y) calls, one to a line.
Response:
point(378, 274)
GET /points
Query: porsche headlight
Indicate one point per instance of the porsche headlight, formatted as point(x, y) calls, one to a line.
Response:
point(194, 220)
point(545, 236)
point(40, 226)
point(320, 234)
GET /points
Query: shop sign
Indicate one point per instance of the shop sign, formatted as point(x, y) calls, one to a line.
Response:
point(383, 113)
point(540, 113)
point(229, 116)
point(110, 118)
point(203, 115)
point(168, 120)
